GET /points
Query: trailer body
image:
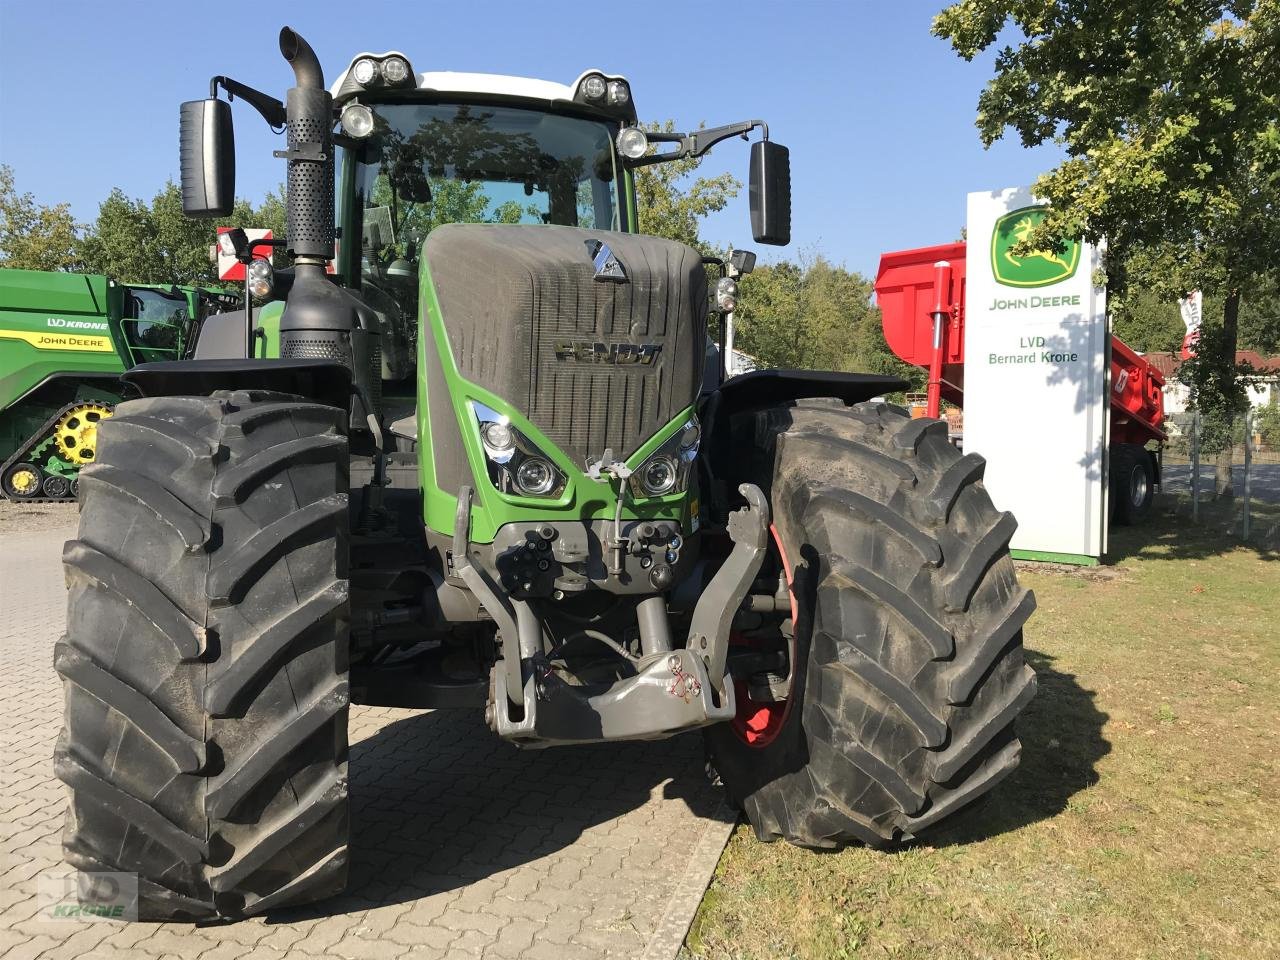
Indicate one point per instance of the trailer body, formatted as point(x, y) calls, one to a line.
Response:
point(909, 289)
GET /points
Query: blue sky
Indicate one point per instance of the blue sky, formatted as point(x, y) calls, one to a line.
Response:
point(878, 114)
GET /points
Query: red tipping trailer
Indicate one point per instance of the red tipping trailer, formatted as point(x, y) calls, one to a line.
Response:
point(921, 298)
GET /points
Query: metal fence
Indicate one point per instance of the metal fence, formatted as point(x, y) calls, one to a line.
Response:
point(1255, 466)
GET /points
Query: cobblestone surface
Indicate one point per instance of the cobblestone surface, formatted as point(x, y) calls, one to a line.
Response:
point(462, 846)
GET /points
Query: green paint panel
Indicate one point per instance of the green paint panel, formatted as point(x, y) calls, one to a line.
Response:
point(583, 498)
point(269, 323)
point(52, 323)
point(66, 328)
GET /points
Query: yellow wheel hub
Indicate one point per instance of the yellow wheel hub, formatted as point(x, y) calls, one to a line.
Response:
point(24, 481)
point(77, 431)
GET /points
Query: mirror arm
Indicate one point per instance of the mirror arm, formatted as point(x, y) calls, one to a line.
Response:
point(697, 143)
point(272, 110)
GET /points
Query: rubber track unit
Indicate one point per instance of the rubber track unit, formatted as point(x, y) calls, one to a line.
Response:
point(37, 438)
point(205, 661)
point(908, 664)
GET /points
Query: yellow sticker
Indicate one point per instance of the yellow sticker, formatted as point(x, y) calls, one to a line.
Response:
point(60, 341)
point(694, 519)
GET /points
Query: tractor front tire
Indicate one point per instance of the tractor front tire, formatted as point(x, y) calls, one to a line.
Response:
point(906, 656)
point(205, 662)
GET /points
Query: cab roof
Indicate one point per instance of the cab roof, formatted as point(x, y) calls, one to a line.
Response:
point(541, 92)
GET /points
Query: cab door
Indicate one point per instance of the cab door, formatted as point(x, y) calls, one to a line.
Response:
point(154, 324)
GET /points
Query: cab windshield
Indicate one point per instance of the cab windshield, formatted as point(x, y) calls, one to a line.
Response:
point(428, 164)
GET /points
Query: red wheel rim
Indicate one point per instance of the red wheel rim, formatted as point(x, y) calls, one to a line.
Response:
point(758, 723)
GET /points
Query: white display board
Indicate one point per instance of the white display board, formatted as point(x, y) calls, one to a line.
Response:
point(1036, 360)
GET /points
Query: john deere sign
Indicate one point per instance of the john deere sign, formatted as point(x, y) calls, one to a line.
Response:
point(1039, 268)
point(1035, 399)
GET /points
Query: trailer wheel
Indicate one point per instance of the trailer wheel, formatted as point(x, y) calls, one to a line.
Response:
point(1133, 487)
point(205, 665)
point(907, 642)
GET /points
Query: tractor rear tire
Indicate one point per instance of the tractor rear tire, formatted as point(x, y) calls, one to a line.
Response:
point(1133, 488)
point(906, 658)
point(205, 662)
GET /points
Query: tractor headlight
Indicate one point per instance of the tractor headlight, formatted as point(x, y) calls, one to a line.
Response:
point(535, 476)
point(632, 142)
point(514, 463)
point(594, 87)
point(261, 278)
point(498, 442)
point(727, 294)
point(658, 476)
point(364, 71)
point(666, 470)
point(357, 120)
point(395, 70)
point(619, 93)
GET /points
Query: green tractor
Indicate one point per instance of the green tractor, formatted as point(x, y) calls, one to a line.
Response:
point(494, 464)
point(65, 338)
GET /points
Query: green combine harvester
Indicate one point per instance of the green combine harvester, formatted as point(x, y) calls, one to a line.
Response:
point(491, 461)
point(65, 338)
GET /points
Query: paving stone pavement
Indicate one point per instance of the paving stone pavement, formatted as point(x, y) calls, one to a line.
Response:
point(462, 846)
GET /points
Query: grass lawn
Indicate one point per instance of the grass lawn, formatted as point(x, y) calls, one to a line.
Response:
point(1144, 820)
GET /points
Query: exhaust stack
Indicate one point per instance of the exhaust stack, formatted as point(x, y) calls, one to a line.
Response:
point(321, 321)
point(309, 114)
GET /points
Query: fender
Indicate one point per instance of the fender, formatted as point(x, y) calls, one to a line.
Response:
point(327, 381)
point(758, 390)
point(769, 388)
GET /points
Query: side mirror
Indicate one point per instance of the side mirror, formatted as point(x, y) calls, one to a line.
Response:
point(769, 187)
point(742, 262)
point(207, 158)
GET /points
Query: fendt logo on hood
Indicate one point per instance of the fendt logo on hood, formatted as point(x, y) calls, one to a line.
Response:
point(1039, 268)
point(608, 267)
point(597, 351)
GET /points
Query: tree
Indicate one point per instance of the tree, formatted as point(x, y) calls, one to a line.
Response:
point(33, 236)
point(1148, 322)
point(140, 242)
point(1260, 317)
point(813, 315)
point(1166, 110)
point(673, 203)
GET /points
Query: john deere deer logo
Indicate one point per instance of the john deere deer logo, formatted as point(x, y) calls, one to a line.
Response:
point(1039, 268)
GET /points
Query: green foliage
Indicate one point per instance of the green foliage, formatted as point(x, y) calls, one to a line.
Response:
point(1167, 111)
point(813, 315)
point(1267, 424)
point(1218, 390)
point(33, 236)
point(1260, 317)
point(1147, 322)
point(672, 202)
point(451, 201)
point(140, 242)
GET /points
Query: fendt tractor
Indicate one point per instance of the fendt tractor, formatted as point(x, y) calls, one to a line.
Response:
point(496, 465)
point(65, 338)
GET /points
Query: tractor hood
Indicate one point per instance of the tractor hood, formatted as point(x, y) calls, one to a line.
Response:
point(596, 337)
